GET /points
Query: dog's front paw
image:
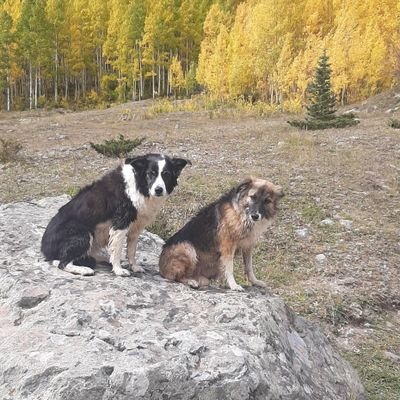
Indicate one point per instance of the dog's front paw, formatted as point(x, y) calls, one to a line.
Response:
point(136, 268)
point(121, 272)
point(237, 287)
point(259, 283)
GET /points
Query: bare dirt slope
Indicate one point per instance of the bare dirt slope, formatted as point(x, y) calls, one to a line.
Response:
point(334, 252)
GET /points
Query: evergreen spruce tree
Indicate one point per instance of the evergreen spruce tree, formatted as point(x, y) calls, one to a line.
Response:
point(323, 101)
point(321, 112)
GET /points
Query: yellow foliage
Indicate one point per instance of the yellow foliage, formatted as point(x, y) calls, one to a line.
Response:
point(253, 49)
point(176, 78)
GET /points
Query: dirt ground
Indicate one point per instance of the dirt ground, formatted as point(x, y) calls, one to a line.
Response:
point(334, 251)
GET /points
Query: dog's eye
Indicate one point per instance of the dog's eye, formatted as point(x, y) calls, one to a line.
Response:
point(166, 174)
point(153, 173)
point(253, 197)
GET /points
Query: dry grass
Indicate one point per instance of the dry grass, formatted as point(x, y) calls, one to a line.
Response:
point(347, 174)
point(9, 149)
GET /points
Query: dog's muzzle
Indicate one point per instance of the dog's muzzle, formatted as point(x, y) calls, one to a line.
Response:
point(159, 191)
point(255, 217)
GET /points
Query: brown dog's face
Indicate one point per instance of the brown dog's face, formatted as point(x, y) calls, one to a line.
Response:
point(259, 198)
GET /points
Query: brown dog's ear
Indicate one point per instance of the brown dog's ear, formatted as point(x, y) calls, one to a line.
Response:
point(243, 186)
point(179, 164)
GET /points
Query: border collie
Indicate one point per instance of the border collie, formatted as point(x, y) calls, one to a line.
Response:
point(119, 205)
point(204, 248)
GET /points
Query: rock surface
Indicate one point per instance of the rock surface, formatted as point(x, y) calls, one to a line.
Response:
point(105, 337)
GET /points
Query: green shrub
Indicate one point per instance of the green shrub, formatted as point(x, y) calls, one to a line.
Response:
point(9, 149)
point(20, 104)
point(341, 121)
point(119, 147)
point(42, 102)
point(394, 123)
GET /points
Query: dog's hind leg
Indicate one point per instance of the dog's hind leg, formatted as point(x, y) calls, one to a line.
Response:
point(193, 283)
point(98, 249)
point(74, 250)
point(248, 268)
point(203, 281)
point(178, 263)
point(85, 261)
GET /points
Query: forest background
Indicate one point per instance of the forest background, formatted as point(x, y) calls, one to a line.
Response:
point(94, 52)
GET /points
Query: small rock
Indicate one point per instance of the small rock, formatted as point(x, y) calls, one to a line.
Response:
point(355, 312)
point(391, 356)
point(197, 350)
point(346, 223)
point(353, 110)
point(327, 221)
point(349, 281)
point(321, 259)
point(302, 233)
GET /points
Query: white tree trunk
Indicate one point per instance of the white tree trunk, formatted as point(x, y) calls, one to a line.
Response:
point(159, 74)
point(30, 86)
point(56, 75)
point(8, 93)
point(140, 73)
point(134, 84)
point(36, 88)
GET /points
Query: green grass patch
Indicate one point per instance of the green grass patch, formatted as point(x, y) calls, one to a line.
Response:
point(312, 213)
point(379, 375)
point(72, 191)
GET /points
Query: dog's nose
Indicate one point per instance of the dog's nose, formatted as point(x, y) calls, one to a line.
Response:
point(159, 191)
point(255, 217)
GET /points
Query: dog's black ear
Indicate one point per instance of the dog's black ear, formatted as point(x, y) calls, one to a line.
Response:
point(138, 163)
point(243, 186)
point(179, 164)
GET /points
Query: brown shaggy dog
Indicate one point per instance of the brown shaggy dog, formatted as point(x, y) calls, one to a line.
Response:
point(205, 247)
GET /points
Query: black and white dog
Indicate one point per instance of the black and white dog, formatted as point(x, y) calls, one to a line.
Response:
point(119, 205)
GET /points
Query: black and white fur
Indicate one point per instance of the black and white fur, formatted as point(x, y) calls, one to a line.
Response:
point(93, 225)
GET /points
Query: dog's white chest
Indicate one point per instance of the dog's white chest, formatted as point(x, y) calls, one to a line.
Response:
point(252, 237)
point(148, 210)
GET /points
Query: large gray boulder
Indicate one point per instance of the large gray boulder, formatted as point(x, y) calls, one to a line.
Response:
point(106, 337)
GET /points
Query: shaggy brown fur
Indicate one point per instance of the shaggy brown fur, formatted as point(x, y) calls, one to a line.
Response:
point(205, 247)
